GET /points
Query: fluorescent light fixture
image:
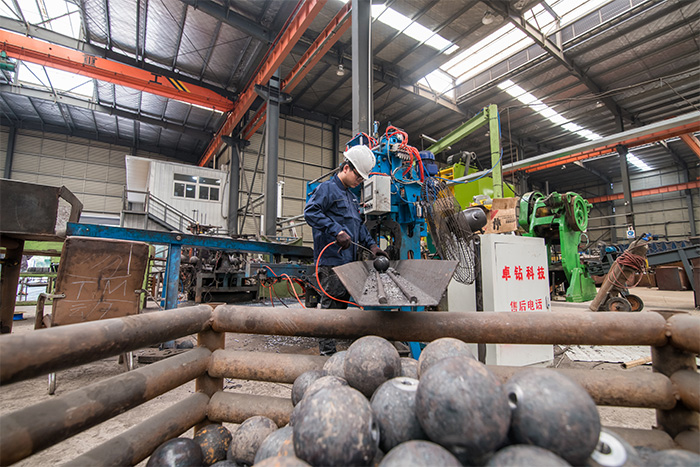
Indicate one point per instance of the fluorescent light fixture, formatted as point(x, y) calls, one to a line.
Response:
point(637, 162)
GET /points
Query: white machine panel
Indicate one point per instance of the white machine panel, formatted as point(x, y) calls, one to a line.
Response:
point(376, 194)
point(515, 279)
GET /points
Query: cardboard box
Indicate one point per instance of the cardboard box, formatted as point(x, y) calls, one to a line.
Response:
point(502, 218)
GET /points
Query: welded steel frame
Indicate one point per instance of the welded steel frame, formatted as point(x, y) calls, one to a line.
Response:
point(671, 389)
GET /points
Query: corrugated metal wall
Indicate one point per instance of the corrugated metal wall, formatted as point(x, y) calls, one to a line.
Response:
point(305, 153)
point(95, 172)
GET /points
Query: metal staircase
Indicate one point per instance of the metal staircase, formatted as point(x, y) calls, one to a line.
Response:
point(153, 214)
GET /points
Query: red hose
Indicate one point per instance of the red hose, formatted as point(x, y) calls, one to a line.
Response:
point(319, 281)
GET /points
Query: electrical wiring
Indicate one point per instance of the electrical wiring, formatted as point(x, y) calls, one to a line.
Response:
point(319, 281)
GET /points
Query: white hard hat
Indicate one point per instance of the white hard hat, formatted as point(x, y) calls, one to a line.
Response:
point(362, 158)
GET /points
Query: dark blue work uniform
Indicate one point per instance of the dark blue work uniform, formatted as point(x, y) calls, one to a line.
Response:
point(330, 209)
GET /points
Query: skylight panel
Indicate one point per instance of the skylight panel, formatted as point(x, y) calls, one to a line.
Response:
point(637, 162)
point(440, 82)
point(7, 12)
point(418, 32)
point(61, 81)
point(394, 19)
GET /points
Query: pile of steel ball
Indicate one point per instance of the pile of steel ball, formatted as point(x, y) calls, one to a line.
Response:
point(368, 407)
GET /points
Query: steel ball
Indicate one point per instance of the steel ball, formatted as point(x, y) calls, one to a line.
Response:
point(381, 263)
point(674, 458)
point(278, 443)
point(442, 348)
point(327, 381)
point(302, 382)
point(214, 441)
point(394, 407)
point(409, 367)
point(335, 365)
point(462, 406)
point(177, 452)
point(335, 426)
point(525, 455)
point(552, 411)
point(417, 452)
point(248, 438)
point(370, 361)
point(288, 461)
point(224, 463)
point(613, 451)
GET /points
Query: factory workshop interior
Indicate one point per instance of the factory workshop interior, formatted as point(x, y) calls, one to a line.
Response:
point(349, 232)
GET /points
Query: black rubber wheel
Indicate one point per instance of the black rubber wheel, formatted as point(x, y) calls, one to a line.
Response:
point(617, 304)
point(635, 302)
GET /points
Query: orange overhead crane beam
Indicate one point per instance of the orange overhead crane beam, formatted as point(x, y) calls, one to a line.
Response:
point(74, 61)
point(647, 192)
point(692, 142)
point(308, 11)
point(323, 43)
point(630, 143)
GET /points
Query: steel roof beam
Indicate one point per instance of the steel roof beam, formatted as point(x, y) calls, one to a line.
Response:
point(87, 105)
point(67, 41)
point(233, 19)
point(541, 39)
point(308, 11)
point(62, 58)
point(692, 142)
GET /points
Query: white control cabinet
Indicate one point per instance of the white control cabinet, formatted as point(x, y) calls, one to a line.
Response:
point(515, 279)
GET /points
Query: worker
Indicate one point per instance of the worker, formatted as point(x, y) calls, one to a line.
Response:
point(333, 213)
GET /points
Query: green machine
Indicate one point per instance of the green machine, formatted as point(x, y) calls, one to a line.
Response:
point(560, 219)
point(459, 166)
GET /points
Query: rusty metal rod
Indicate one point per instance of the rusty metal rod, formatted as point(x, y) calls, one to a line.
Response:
point(262, 366)
point(137, 443)
point(688, 384)
point(685, 332)
point(602, 328)
point(235, 407)
point(407, 293)
point(613, 388)
point(381, 294)
point(49, 350)
point(34, 428)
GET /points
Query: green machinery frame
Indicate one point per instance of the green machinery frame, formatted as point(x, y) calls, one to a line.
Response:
point(560, 219)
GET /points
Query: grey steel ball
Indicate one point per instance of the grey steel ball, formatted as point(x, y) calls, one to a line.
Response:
point(552, 411)
point(248, 438)
point(381, 263)
point(394, 407)
point(674, 458)
point(277, 443)
point(525, 455)
point(419, 453)
point(613, 451)
point(327, 381)
point(336, 427)
point(302, 382)
point(224, 463)
point(289, 461)
point(370, 361)
point(409, 367)
point(214, 440)
point(442, 348)
point(177, 452)
point(463, 407)
point(335, 365)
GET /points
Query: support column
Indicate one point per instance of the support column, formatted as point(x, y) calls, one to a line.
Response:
point(624, 170)
point(9, 278)
point(496, 162)
point(336, 145)
point(362, 113)
point(271, 155)
point(206, 384)
point(689, 203)
point(234, 180)
point(10, 155)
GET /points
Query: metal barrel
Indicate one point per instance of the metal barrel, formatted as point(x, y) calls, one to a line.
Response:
point(49, 350)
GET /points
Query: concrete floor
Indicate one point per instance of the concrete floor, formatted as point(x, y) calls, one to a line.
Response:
point(654, 299)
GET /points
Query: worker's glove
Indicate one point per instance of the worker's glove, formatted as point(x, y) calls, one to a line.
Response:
point(344, 240)
point(376, 251)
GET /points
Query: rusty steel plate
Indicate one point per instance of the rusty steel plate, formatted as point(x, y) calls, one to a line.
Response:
point(409, 282)
point(99, 278)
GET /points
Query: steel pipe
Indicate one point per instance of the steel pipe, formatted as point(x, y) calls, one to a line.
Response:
point(236, 407)
point(262, 366)
point(29, 430)
point(137, 443)
point(614, 388)
point(49, 350)
point(688, 384)
point(684, 330)
point(515, 328)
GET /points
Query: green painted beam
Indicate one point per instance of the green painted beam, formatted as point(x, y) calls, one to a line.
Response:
point(465, 129)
